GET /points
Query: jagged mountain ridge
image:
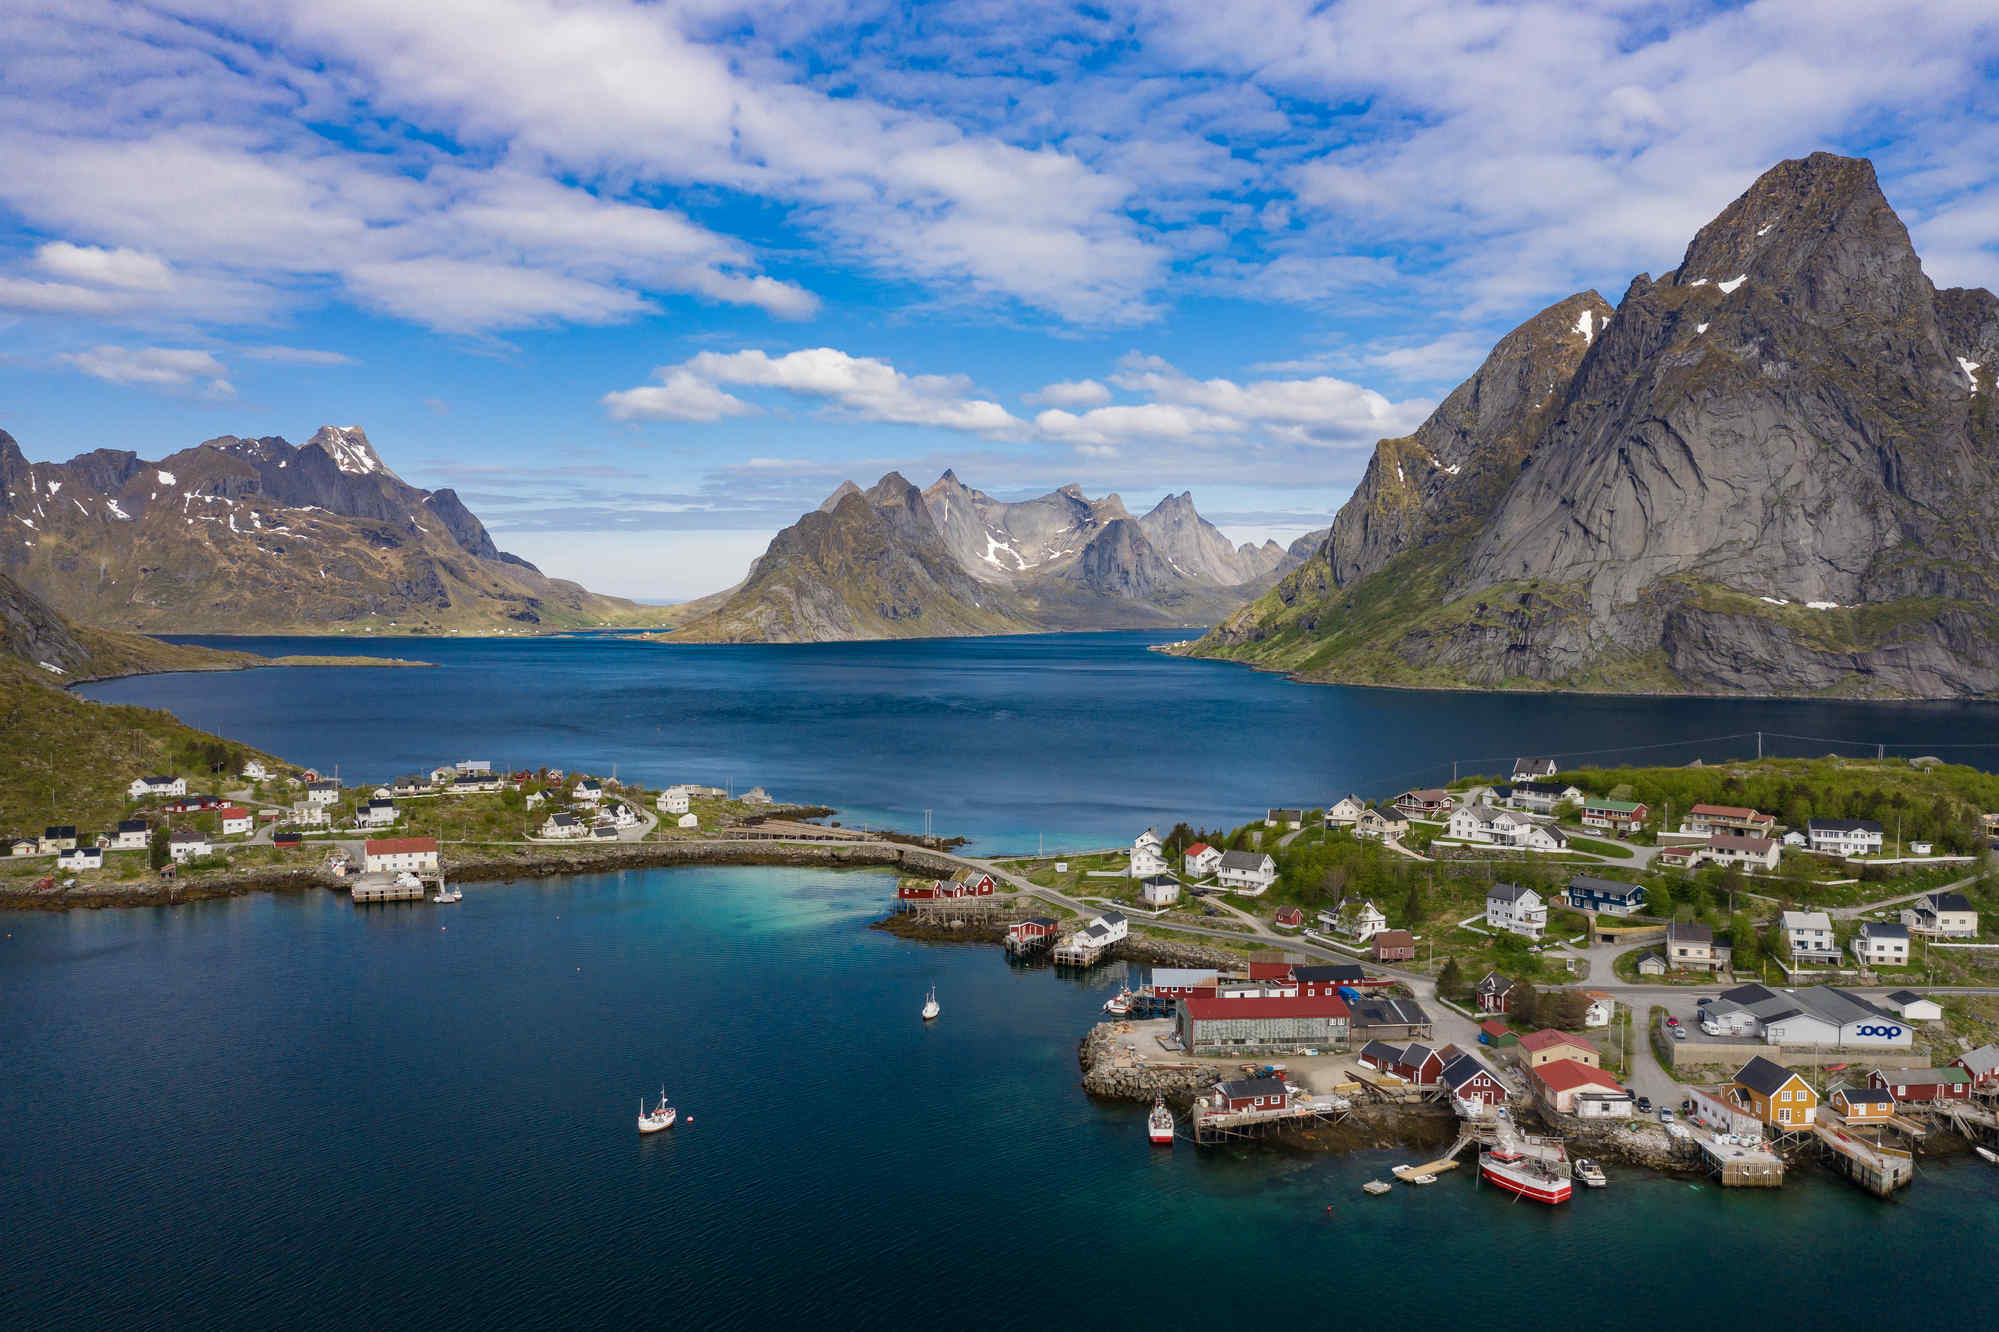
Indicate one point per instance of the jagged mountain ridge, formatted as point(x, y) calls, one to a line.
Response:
point(947, 561)
point(259, 535)
point(1775, 470)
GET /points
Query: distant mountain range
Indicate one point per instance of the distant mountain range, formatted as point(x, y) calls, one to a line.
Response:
point(893, 561)
point(1775, 470)
point(261, 536)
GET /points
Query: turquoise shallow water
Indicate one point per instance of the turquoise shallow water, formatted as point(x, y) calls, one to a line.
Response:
point(286, 1111)
point(1074, 740)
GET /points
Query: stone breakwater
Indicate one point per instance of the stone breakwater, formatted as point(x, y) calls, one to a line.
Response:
point(1110, 1072)
point(1173, 953)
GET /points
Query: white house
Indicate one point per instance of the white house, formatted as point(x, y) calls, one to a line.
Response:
point(1808, 936)
point(1148, 856)
point(323, 792)
point(236, 821)
point(589, 791)
point(1921, 848)
point(1794, 837)
point(1533, 769)
point(392, 855)
point(1161, 890)
point(311, 814)
point(142, 787)
point(534, 798)
point(1284, 818)
point(622, 815)
point(1114, 924)
point(563, 825)
point(1516, 909)
point(1844, 837)
point(466, 767)
point(132, 835)
point(672, 801)
point(1542, 797)
point(376, 814)
point(1941, 915)
point(1346, 811)
point(187, 844)
point(1247, 872)
point(1748, 852)
point(688, 821)
point(1878, 944)
point(1914, 1007)
point(1602, 1008)
point(1201, 860)
point(756, 795)
point(254, 771)
point(81, 858)
point(439, 776)
point(1356, 918)
point(1503, 827)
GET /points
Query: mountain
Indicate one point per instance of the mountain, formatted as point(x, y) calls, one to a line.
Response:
point(897, 562)
point(261, 536)
point(1774, 470)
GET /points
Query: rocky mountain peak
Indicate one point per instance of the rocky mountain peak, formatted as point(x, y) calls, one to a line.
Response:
point(840, 492)
point(349, 449)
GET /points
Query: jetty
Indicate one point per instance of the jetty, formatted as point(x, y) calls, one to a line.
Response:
point(1870, 1163)
point(1220, 1119)
point(389, 888)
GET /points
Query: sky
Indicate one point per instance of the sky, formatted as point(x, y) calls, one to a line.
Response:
point(645, 281)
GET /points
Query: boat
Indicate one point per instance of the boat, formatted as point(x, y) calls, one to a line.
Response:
point(659, 1117)
point(1590, 1174)
point(447, 895)
point(1120, 1003)
point(1159, 1124)
point(1531, 1177)
point(1376, 1186)
point(930, 1009)
point(1986, 1152)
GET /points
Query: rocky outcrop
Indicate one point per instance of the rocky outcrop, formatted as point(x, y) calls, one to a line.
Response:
point(1774, 470)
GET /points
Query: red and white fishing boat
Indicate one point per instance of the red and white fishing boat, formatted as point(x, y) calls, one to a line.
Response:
point(1120, 1003)
point(1527, 1174)
point(1159, 1124)
point(661, 1117)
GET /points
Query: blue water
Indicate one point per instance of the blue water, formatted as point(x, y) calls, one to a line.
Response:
point(1066, 740)
point(287, 1111)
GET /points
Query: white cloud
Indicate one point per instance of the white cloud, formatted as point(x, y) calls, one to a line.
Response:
point(129, 269)
point(679, 396)
point(1070, 393)
point(1325, 408)
point(154, 367)
point(866, 387)
point(1153, 420)
point(297, 355)
point(29, 296)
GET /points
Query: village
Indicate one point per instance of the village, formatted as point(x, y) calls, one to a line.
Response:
point(383, 842)
point(1611, 1012)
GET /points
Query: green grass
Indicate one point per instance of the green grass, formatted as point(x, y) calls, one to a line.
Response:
point(1598, 847)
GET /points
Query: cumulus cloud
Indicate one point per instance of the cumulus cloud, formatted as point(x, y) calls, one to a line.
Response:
point(1070, 393)
point(863, 386)
point(154, 367)
point(1321, 408)
point(130, 269)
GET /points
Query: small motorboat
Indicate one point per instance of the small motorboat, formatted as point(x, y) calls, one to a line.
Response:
point(930, 1009)
point(1159, 1123)
point(1377, 1186)
point(1590, 1174)
point(1120, 1003)
point(659, 1117)
point(447, 895)
point(1991, 1157)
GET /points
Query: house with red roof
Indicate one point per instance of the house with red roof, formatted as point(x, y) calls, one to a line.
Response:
point(1201, 860)
point(392, 855)
point(236, 820)
point(1571, 1087)
point(1548, 1046)
point(1289, 918)
point(1260, 1023)
point(1393, 946)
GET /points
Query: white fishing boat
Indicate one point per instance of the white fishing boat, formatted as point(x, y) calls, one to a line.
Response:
point(1590, 1174)
point(659, 1117)
point(1159, 1124)
point(1377, 1186)
point(930, 1009)
point(1120, 1003)
point(447, 894)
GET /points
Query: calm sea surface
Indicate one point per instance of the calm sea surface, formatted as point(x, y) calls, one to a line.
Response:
point(280, 1112)
point(1070, 740)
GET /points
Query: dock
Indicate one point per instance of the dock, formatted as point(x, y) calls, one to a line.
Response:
point(1212, 1125)
point(1872, 1165)
point(1739, 1163)
point(384, 888)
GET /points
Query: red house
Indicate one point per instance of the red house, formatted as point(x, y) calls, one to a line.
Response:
point(1393, 946)
point(1289, 918)
point(1420, 1064)
point(1251, 1094)
point(1945, 1083)
point(911, 892)
point(1982, 1064)
point(966, 883)
point(1277, 971)
point(1032, 929)
point(1470, 1080)
point(1494, 993)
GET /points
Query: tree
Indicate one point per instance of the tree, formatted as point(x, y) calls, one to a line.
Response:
point(1748, 944)
point(1412, 905)
point(1659, 898)
point(1525, 1004)
point(1451, 980)
point(1567, 1009)
point(157, 853)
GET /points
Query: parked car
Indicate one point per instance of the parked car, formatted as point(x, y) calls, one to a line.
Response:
point(1679, 1033)
point(1665, 1114)
point(1672, 1021)
point(1209, 911)
point(1644, 1105)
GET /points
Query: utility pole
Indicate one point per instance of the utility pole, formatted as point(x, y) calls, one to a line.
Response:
point(1759, 744)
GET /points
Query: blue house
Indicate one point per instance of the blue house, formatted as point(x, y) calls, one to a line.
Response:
point(1589, 893)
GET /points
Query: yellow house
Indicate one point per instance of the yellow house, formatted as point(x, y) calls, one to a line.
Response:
point(1774, 1094)
point(1862, 1105)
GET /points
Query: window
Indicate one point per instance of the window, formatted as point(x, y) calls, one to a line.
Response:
point(1783, 1116)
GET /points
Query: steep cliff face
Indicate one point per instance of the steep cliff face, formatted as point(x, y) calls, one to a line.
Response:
point(896, 562)
point(1774, 470)
point(250, 535)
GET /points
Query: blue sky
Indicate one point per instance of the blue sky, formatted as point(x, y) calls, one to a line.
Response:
point(644, 281)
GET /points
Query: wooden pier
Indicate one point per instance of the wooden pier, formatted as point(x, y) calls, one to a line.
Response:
point(1212, 1125)
point(1739, 1165)
point(1075, 951)
point(1871, 1164)
point(384, 888)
